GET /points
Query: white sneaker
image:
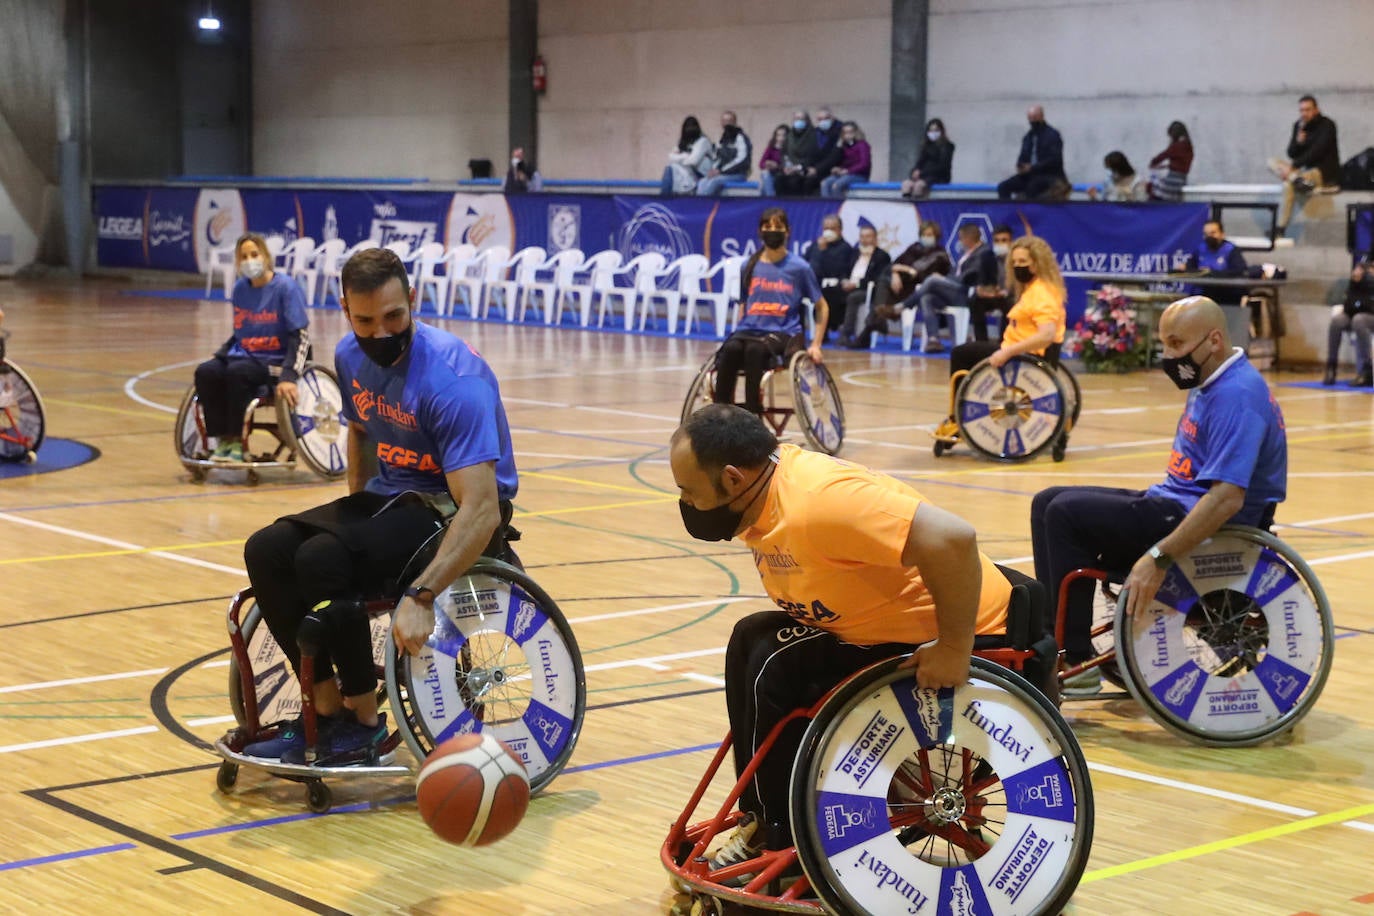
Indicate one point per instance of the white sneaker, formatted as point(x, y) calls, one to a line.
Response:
point(1083, 684)
point(744, 844)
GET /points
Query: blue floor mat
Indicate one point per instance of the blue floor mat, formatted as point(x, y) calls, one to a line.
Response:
point(53, 455)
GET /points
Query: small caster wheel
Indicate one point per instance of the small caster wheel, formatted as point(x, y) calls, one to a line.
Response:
point(30, 456)
point(253, 478)
point(705, 905)
point(1058, 451)
point(939, 448)
point(227, 776)
point(197, 475)
point(318, 798)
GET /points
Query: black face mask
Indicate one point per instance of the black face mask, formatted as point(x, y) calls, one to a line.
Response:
point(720, 523)
point(1213, 243)
point(1184, 371)
point(772, 238)
point(1023, 274)
point(385, 351)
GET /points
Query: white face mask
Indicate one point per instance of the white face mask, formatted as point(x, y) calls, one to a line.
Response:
point(928, 240)
point(933, 135)
point(830, 235)
point(514, 163)
point(1001, 250)
point(252, 268)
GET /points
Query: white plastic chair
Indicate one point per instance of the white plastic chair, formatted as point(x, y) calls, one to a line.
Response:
point(426, 258)
point(457, 264)
point(221, 262)
point(728, 270)
point(295, 257)
point(561, 267)
point(646, 270)
point(599, 270)
point(516, 273)
point(332, 270)
point(958, 321)
point(488, 267)
point(308, 271)
point(688, 269)
point(276, 245)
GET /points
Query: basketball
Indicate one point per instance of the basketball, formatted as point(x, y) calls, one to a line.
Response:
point(472, 790)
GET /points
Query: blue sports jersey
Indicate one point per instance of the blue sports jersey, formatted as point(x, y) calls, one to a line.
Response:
point(437, 410)
point(1232, 432)
point(773, 303)
point(263, 315)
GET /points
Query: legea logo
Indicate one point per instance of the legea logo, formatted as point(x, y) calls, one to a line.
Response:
point(124, 228)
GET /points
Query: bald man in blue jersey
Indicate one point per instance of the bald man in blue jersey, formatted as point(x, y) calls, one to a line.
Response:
point(428, 408)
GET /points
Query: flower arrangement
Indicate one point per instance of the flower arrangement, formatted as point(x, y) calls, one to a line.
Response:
point(1108, 338)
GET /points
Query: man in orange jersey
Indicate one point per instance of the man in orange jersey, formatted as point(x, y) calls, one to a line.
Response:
point(862, 567)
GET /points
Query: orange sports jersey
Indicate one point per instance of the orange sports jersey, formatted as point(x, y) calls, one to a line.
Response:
point(828, 546)
point(1037, 305)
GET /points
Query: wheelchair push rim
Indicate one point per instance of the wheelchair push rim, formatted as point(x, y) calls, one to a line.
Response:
point(502, 658)
point(1013, 412)
point(1237, 645)
point(701, 393)
point(315, 429)
point(22, 418)
point(975, 799)
point(817, 403)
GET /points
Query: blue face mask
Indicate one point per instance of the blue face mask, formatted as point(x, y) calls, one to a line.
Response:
point(824, 123)
point(799, 125)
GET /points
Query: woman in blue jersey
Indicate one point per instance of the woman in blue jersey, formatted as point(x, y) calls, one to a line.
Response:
point(269, 341)
point(774, 284)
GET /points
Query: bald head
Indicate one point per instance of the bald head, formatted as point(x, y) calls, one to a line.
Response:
point(1192, 318)
point(1035, 114)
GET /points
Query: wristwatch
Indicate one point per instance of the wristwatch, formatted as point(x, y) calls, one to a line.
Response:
point(1162, 559)
point(421, 593)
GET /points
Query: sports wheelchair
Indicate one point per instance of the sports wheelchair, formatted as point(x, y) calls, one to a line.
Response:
point(1015, 412)
point(502, 657)
point(21, 412)
point(314, 430)
point(975, 799)
point(815, 399)
point(1233, 651)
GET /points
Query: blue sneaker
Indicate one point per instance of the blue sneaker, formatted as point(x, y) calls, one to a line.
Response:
point(346, 741)
point(291, 734)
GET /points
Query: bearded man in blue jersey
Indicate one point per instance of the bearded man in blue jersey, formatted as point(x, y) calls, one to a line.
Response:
point(427, 408)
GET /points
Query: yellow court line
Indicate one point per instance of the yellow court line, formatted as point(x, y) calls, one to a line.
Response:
point(597, 508)
point(1268, 833)
point(132, 413)
point(587, 483)
point(117, 553)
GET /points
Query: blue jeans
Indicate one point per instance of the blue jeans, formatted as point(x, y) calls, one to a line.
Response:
point(766, 186)
point(935, 294)
point(837, 185)
point(665, 187)
point(711, 187)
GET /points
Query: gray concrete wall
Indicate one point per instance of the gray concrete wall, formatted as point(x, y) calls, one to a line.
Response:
point(1112, 74)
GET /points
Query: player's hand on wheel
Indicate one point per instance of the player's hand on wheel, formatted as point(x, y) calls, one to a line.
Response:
point(938, 665)
point(412, 625)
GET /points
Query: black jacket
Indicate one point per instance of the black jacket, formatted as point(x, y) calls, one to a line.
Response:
point(1318, 150)
point(833, 263)
point(1043, 150)
point(936, 161)
point(828, 150)
point(878, 262)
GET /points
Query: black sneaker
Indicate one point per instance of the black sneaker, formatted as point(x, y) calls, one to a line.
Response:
point(1303, 186)
point(346, 741)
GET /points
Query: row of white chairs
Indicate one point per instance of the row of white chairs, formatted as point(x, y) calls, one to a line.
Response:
point(529, 279)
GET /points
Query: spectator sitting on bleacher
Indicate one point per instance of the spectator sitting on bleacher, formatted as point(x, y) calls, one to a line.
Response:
point(856, 162)
point(689, 162)
point(1169, 169)
point(1356, 315)
point(974, 274)
point(831, 258)
point(828, 151)
point(797, 152)
point(896, 291)
point(1313, 162)
point(934, 162)
point(1121, 184)
point(1040, 166)
point(731, 162)
point(1216, 257)
point(521, 176)
point(770, 163)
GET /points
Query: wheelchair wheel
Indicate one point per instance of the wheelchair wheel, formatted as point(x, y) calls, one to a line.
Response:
point(1237, 645)
point(188, 434)
point(1073, 395)
point(1105, 599)
point(976, 800)
point(503, 658)
point(315, 429)
point(1014, 412)
point(278, 691)
point(21, 415)
point(702, 391)
point(817, 403)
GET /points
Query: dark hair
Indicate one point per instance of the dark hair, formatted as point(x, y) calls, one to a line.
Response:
point(722, 434)
point(970, 229)
point(1118, 163)
point(778, 213)
point(370, 269)
point(781, 127)
point(1211, 221)
point(1309, 98)
point(1179, 131)
point(936, 122)
point(746, 277)
point(1002, 229)
point(691, 132)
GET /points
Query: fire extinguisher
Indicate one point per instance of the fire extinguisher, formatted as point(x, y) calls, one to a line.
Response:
point(539, 74)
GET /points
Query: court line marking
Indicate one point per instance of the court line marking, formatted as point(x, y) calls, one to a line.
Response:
point(1244, 839)
point(102, 408)
point(1168, 783)
point(132, 383)
point(115, 553)
point(658, 610)
point(78, 739)
point(122, 545)
point(93, 679)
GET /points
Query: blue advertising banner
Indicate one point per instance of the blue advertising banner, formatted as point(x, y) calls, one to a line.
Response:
point(175, 228)
point(1363, 237)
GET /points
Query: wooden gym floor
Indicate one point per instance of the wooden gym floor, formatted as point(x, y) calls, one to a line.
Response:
point(114, 577)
